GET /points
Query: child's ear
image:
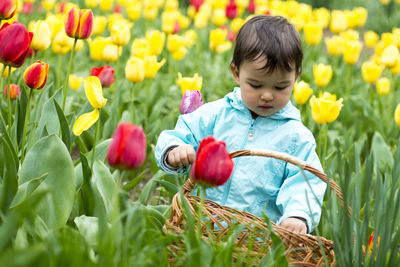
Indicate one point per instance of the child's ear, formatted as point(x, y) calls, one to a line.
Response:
point(235, 72)
point(298, 74)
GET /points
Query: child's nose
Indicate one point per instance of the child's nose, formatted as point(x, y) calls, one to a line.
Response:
point(267, 96)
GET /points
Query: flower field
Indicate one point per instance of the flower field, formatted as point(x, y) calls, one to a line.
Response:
point(87, 86)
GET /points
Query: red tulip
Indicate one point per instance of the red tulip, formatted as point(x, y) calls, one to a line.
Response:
point(15, 41)
point(27, 8)
point(196, 3)
point(231, 10)
point(35, 76)
point(8, 8)
point(117, 9)
point(213, 165)
point(251, 7)
point(14, 91)
point(128, 147)
point(177, 27)
point(79, 23)
point(105, 74)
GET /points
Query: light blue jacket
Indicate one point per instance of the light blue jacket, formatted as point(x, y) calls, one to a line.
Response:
point(257, 184)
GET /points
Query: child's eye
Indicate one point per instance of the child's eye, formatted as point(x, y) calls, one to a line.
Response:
point(255, 86)
point(280, 88)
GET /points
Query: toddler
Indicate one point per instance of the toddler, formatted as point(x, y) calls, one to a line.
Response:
point(258, 114)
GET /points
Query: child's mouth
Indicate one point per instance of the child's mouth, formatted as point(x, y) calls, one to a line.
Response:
point(265, 107)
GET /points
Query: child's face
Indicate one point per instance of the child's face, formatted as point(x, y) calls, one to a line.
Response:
point(263, 93)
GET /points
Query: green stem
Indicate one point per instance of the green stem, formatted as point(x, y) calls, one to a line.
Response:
point(8, 100)
point(133, 103)
point(325, 145)
point(146, 112)
point(1, 77)
point(59, 64)
point(95, 139)
point(348, 80)
point(200, 213)
point(68, 72)
point(25, 124)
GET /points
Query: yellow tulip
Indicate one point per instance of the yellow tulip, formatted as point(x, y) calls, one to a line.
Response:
point(175, 42)
point(219, 18)
point(96, 47)
point(150, 12)
point(351, 51)
point(396, 34)
point(201, 20)
point(171, 5)
point(350, 35)
point(191, 11)
point(218, 42)
point(351, 18)
point(236, 24)
point(396, 69)
point(134, 69)
point(62, 44)
point(313, 33)
point(99, 24)
point(370, 38)
point(94, 92)
point(326, 108)
point(151, 66)
point(189, 83)
point(113, 18)
point(120, 33)
point(383, 86)
point(111, 52)
point(156, 40)
point(168, 20)
point(371, 71)
point(322, 74)
point(92, 3)
point(397, 115)
point(5, 71)
point(41, 36)
point(85, 121)
point(134, 9)
point(48, 4)
point(388, 38)
point(180, 53)
point(390, 56)
point(184, 21)
point(75, 82)
point(55, 23)
point(322, 16)
point(334, 45)
point(106, 5)
point(140, 48)
point(338, 21)
point(361, 14)
point(302, 92)
point(384, 2)
point(190, 37)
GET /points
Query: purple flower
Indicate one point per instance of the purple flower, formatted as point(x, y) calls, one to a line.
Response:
point(191, 100)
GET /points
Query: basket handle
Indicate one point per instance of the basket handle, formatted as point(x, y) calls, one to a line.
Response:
point(190, 183)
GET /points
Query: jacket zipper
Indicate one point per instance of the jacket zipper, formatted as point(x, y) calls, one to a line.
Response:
point(249, 136)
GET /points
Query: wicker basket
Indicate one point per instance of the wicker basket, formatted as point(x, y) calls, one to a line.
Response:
point(253, 241)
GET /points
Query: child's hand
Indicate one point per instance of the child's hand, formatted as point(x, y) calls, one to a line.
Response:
point(295, 225)
point(181, 155)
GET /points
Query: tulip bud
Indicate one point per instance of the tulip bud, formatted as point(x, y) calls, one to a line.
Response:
point(41, 36)
point(313, 33)
point(35, 76)
point(134, 69)
point(74, 82)
point(322, 74)
point(120, 33)
point(213, 165)
point(370, 38)
point(390, 56)
point(397, 115)
point(189, 83)
point(128, 147)
point(8, 8)
point(105, 74)
point(302, 92)
point(94, 92)
point(351, 51)
point(334, 45)
point(85, 121)
point(15, 41)
point(15, 91)
point(79, 23)
point(371, 71)
point(231, 11)
point(191, 100)
point(197, 4)
point(383, 86)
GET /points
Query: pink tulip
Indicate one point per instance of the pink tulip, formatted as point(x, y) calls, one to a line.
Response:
point(15, 91)
point(213, 165)
point(8, 8)
point(197, 4)
point(191, 100)
point(105, 74)
point(231, 10)
point(128, 147)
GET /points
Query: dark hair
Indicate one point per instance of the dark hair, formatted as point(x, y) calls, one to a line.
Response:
point(272, 37)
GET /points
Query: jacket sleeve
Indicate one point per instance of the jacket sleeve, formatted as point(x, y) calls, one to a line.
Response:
point(302, 193)
point(190, 129)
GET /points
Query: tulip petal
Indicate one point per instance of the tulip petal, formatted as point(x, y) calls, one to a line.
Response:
point(94, 92)
point(85, 121)
point(85, 24)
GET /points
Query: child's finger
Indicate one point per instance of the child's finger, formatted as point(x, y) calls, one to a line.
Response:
point(183, 157)
point(171, 159)
point(191, 154)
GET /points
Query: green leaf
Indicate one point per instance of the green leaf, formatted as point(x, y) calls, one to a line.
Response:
point(25, 189)
point(66, 135)
point(49, 119)
point(86, 189)
point(49, 155)
point(21, 113)
point(382, 154)
point(7, 139)
point(149, 187)
point(104, 184)
point(10, 181)
point(88, 227)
